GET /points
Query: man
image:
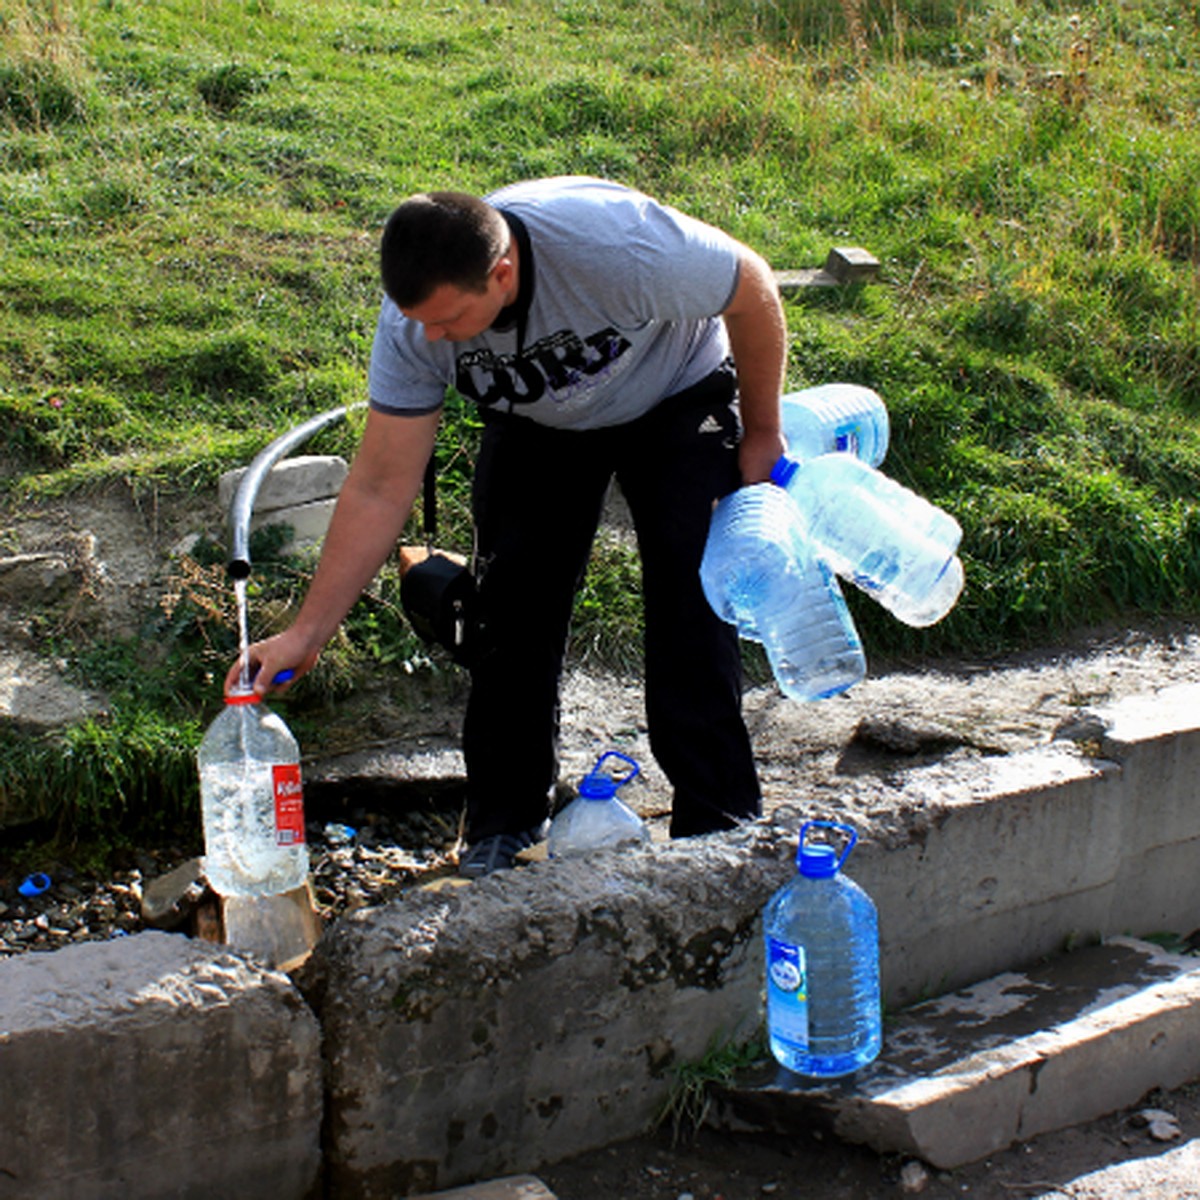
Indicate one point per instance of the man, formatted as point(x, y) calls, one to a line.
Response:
point(594, 328)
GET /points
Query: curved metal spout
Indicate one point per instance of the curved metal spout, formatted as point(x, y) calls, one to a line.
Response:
point(243, 500)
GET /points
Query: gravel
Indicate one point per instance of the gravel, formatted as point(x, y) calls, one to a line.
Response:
point(352, 865)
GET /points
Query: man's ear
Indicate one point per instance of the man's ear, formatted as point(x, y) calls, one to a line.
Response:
point(504, 272)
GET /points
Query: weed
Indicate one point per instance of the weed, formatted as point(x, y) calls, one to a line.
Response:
point(688, 1101)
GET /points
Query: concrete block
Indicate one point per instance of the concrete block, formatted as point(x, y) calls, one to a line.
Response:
point(153, 1066)
point(968, 1074)
point(1016, 857)
point(486, 1029)
point(309, 522)
point(291, 481)
point(1156, 739)
point(462, 1026)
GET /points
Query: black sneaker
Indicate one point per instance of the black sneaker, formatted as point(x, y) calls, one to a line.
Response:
point(498, 852)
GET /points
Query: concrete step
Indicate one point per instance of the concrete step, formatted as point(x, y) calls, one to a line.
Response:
point(967, 1074)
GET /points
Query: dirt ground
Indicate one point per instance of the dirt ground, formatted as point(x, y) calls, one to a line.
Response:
point(1107, 1159)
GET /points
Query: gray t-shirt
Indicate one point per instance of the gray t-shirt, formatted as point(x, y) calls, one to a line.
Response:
point(624, 312)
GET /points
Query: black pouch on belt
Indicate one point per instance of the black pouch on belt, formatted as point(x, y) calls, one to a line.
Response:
point(437, 589)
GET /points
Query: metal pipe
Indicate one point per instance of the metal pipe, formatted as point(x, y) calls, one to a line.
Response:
point(247, 492)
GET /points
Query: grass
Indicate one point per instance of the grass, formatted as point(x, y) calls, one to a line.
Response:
point(190, 196)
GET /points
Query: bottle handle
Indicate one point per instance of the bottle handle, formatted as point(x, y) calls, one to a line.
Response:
point(618, 781)
point(848, 830)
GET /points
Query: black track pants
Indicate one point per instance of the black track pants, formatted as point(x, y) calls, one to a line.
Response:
point(538, 496)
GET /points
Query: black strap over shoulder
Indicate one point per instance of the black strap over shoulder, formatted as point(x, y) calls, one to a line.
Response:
point(429, 500)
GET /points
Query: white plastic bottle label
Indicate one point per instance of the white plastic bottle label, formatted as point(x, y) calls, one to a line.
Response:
point(787, 993)
point(289, 804)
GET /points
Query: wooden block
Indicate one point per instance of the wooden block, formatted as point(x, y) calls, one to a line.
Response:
point(851, 264)
point(843, 265)
point(280, 930)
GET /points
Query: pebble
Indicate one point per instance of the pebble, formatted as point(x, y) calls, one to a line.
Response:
point(913, 1177)
point(1160, 1124)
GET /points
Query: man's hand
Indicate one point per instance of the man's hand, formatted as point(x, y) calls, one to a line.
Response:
point(265, 660)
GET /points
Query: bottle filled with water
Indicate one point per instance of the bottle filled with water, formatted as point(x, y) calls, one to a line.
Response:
point(893, 544)
point(760, 572)
point(821, 933)
point(252, 801)
point(597, 818)
point(844, 417)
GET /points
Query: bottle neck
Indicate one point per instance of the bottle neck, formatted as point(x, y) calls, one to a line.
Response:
point(242, 698)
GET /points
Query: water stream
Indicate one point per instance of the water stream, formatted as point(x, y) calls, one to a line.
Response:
point(239, 593)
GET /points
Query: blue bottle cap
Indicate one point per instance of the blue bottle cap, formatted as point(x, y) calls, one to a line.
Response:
point(820, 860)
point(783, 470)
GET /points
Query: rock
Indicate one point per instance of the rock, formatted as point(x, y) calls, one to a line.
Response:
point(904, 737)
point(34, 694)
point(1084, 726)
point(34, 580)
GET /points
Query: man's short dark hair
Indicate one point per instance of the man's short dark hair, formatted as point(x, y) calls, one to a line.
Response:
point(436, 238)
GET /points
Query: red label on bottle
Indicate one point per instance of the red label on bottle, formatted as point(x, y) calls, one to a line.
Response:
point(289, 804)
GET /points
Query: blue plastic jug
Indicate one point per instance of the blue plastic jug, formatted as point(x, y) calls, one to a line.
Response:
point(761, 573)
point(821, 934)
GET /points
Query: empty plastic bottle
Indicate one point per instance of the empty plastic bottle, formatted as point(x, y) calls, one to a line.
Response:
point(252, 801)
point(873, 531)
point(596, 818)
point(845, 417)
point(762, 574)
point(822, 963)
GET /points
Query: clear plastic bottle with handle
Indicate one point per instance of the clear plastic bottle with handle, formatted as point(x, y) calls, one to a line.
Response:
point(252, 801)
point(596, 818)
point(821, 933)
point(760, 573)
point(844, 417)
point(888, 541)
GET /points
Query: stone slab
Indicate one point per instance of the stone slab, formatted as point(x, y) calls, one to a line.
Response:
point(515, 1187)
point(151, 1066)
point(970, 1073)
point(1172, 1175)
point(296, 480)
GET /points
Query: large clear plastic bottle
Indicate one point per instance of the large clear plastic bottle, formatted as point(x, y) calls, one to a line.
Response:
point(596, 818)
point(761, 573)
point(845, 417)
point(873, 531)
point(821, 933)
point(252, 801)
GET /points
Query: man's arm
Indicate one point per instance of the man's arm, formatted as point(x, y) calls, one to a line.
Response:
point(758, 338)
point(370, 513)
